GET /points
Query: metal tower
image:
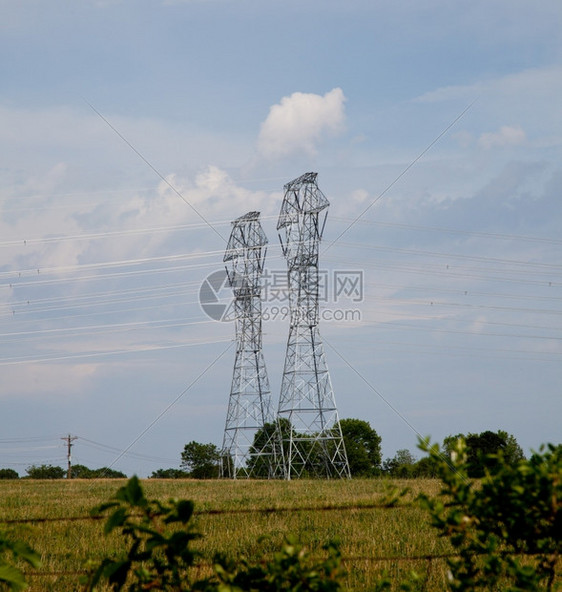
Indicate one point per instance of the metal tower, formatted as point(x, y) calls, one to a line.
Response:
point(249, 406)
point(311, 437)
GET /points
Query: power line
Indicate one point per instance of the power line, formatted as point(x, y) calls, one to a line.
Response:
point(155, 170)
point(89, 329)
point(112, 450)
point(454, 272)
point(168, 407)
point(108, 234)
point(404, 171)
point(117, 263)
point(15, 276)
point(482, 259)
point(101, 354)
point(492, 235)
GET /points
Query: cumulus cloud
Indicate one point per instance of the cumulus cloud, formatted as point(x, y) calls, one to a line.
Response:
point(299, 122)
point(505, 136)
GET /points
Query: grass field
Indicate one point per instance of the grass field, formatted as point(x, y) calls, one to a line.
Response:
point(366, 535)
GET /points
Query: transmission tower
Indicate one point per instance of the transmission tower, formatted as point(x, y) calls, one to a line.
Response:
point(249, 406)
point(308, 423)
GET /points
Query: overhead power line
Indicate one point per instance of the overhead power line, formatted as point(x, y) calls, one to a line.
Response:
point(456, 231)
point(155, 170)
point(142, 349)
point(404, 171)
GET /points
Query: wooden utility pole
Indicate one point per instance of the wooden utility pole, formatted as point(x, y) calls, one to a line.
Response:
point(69, 439)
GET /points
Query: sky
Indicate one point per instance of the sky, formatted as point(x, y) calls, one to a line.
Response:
point(133, 133)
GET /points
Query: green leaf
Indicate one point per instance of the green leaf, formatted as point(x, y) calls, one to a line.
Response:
point(97, 510)
point(180, 511)
point(134, 492)
point(13, 577)
point(116, 572)
point(25, 552)
point(115, 520)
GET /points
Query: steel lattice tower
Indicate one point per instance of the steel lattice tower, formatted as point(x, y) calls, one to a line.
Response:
point(309, 429)
point(249, 406)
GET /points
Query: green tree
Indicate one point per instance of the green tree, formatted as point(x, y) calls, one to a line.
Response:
point(401, 465)
point(8, 474)
point(201, 460)
point(363, 447)
point(169, 474)
point(482, 450)
point(83, 472)
point(426, 468)
point(45, 472)
point(266, 447)
point(512, 452)
point(107, 473)
point(480, 447)
point(450, 443)
point(80, 472)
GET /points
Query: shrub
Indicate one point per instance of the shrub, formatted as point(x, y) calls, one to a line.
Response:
point(507, 527)
point(45, 472)
point(169, 474)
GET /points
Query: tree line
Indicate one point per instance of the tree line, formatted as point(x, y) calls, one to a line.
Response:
point(363, 447)
point(362, 444)
point(46, 471)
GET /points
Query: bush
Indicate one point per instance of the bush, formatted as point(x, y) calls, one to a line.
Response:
point(8, 474)
point(507, 527)
point(107, 473)
point(169, 474)
point(83, 472)
point(45, 472)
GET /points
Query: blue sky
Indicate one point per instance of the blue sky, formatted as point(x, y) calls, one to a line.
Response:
point(110, 109)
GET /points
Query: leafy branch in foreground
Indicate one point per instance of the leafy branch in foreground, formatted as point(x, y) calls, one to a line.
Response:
point(506, 531)
point(290, 569)
point(10, 575)
point(506, 527)
point(159, 554)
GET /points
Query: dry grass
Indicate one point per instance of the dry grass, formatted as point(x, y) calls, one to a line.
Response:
point(365, 534)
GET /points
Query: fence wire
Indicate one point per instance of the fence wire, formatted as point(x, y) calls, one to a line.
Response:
point(219, 512)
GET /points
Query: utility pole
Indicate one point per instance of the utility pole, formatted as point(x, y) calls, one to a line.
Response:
point(69, 439)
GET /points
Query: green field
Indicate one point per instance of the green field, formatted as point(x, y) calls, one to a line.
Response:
point(366, 535)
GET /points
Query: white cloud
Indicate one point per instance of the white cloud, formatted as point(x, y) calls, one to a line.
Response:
point(529, 97)
point(505, 136)
point(299, 121)
point(534, 82)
